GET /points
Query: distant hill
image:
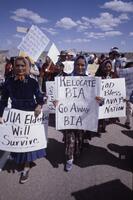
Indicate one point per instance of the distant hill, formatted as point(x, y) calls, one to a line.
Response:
point(4, 53)
point(128, 55)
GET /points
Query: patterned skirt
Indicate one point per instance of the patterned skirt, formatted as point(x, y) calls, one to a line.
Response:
point(73, 143)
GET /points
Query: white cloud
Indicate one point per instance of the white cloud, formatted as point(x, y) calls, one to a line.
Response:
point(107, 22)
point(113, 33)
point(66, 23)
point(22, 14)
point(123, 17)
point(98, 35)
point(18, 19)
point(83, 24)
point(50, 30)
point(119, 6)
point(94, 35)
point(82, 28)
point(77, 40)
point(131, 33)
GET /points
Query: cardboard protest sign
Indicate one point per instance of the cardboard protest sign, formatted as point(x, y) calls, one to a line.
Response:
point(68, 67)
point(21, 29)
point(113, 91)
point(45, 112)
point(2, 72)
point(127, 73)
point(92, 68)
point(22, 132)
point(34, 43)
point(50, 92)
point(53, 53)
point(77, 107)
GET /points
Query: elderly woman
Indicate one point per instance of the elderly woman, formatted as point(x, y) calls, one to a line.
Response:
point(105, 72)
point(48, 72)
point(25, 95)
point(74, 139)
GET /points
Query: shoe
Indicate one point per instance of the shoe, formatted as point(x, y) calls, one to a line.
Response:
point(127, 125)
point(24, 177)
point(117, 119)
point(98, 134)
point(101, 130)
point(69, 164)
point(86, 143)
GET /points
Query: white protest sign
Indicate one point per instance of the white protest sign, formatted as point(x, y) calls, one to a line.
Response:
point(113, 91)
point(34, 43)
point(50, 91)
point(77, 107)
point(127, 73)
point(92, 68)
point(22, 132)
point(22, 29)
point(68, 67)
point(45, 112)
point(53, 53)
point(2, 72)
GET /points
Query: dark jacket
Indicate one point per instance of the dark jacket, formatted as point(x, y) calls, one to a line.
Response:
point(24, 95)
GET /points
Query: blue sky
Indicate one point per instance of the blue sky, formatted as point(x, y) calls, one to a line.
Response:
point(86, 25)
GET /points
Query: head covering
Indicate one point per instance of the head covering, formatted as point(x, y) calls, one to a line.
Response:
point(75, 63)
point(27, 64)
point(70, 52)
point(105, 61)
point(101, 69)
point(92, 56)
point(91, 59)
point(63, 53)
point(115, 51)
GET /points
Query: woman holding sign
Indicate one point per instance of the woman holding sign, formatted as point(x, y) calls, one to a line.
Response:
point(105, 72)
point(25, 95)
point(48, 72)
point(75, 138)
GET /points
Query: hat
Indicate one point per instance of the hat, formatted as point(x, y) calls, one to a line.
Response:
point(91, 56)
point(70, 52)
point(114, 49)
point(63, 53)
point(106, 61)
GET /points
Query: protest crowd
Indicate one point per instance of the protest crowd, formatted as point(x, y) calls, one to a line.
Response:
point(73, 98)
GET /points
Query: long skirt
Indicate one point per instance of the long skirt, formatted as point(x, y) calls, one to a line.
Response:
point(73, 143)
point(21, 158)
